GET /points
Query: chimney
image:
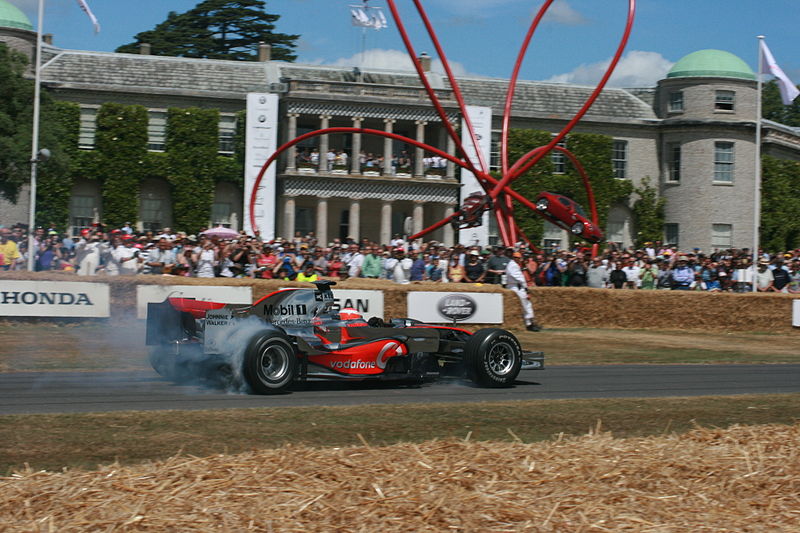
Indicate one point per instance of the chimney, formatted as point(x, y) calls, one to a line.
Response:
point(264, 52)
point(425, 62)
point(144, 49)
point(48, 38)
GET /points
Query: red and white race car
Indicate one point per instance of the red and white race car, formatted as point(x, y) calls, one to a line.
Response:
point(568, 214)
point(296, 334)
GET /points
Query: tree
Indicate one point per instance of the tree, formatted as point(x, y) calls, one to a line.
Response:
point(648, 213)
point(772, 107)
point(217, 29)
point(780, 204)
point(16, 131)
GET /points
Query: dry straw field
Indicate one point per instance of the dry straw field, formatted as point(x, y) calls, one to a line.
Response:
point(738, 479)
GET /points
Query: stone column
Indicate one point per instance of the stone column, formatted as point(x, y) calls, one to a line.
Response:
point(291, 163)
point(419, 153)
point(355, 219)
point(322, 220)
point(288, 217)
point(387, 147)
point(418, 218)
point(324, 121)
point(447, 230)
point(355, 165)
point(451, 149)
point(386, 222)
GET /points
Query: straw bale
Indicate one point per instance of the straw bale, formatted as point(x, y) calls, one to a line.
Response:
point(565, 307)
point(737, 479)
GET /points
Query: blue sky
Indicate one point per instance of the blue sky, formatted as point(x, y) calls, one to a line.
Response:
point(482, 37)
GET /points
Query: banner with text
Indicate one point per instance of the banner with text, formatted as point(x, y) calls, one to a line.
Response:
point(461, 307)
point(481, 119)
point(55, 298)
point(368, 303)
point(158, 293)
point(261, 143)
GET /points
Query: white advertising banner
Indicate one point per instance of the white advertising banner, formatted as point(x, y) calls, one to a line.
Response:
point(481, 118)
point(368, 303)
point(55, 298)
point(158, 293)
point(261, 143)
point(796, 313)
point(463, 307)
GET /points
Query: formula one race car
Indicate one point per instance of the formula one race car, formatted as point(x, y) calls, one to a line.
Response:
point(296, 335)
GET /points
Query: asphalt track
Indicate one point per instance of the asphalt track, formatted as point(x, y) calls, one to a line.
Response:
point(78, 392)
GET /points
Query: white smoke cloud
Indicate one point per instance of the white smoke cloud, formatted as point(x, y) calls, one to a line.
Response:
point(636, 69)
point(391, 60)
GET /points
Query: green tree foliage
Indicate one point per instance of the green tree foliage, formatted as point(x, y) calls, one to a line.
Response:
point(192, 145)
point(217, 29)
point(54, 181)
point(780, 204)
point(16, 130)
point(772, 107)
point(648, 214)
point(592, 150)
point(121, 140)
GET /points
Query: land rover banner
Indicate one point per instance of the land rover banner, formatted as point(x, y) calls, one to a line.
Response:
point(54, 299)
point(458, 307)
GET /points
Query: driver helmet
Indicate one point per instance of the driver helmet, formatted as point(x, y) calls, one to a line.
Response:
point(351, 317)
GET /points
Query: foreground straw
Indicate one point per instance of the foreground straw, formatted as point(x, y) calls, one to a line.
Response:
point(740, 479)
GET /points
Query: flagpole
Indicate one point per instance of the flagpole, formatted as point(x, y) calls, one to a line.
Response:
point(757, 180)
point(37, 89)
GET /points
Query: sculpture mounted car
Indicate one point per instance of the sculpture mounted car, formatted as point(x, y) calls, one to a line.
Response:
point(568, 214)
point(296, 334)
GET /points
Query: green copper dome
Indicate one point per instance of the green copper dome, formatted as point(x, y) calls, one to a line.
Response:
point(12, 17)
point(711, 64)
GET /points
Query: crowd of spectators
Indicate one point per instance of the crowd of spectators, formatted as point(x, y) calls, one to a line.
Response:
point(339, 160)
point(123, 251)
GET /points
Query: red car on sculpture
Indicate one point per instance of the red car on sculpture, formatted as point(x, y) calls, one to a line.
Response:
point(296, 335)
point(568, 214)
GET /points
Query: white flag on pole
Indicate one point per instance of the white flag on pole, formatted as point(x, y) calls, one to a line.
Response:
point(368, 17)
point(85, 7)
point(788, 89)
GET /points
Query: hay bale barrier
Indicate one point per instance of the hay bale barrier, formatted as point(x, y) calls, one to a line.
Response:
point(557, 307)
point(735, 479)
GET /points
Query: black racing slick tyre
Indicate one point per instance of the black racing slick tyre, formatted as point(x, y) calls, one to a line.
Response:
point(164, 361)
point(270, 363)
point(493, 357)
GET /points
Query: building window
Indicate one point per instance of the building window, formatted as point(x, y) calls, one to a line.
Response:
point(671, 235)
point(675, 102)
point(152, 210)
point(721, 236)
point(494, 153)
point(227, 132)
point(156, 130)
point(724, 100)
point(88, 127)
point(674, 163)
point(559, 159)
point(83, 211)
point(723, 162)
point(619, 159)
point(303, 221)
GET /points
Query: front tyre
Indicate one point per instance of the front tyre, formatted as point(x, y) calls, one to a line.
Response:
point(577, 228)
point(270, 364)
point(493, 357)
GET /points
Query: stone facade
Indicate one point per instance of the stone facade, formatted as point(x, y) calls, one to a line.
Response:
point(702, 118)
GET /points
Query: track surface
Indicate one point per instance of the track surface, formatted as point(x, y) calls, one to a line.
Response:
point(76, 392)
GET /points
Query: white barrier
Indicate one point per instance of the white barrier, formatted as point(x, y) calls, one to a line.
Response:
point(463, 307)
point(54, 299)
point(368, 303)
point(796, 313)
point(158, 293)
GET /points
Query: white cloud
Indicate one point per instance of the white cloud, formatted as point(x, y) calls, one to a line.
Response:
point(636, 69)
point(562, 13)
point(377, 58)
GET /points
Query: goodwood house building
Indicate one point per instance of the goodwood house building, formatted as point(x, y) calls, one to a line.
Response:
point(693, 135)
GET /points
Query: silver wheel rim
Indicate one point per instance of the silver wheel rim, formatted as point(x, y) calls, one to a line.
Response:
point(273, 362)
point(542, 204)
point(577, 228)
point(501, 358)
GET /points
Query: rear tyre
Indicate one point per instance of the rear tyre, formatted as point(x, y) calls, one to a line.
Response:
point(493, 357)
point(542, 204)
point(270, 364)
point(164, 361)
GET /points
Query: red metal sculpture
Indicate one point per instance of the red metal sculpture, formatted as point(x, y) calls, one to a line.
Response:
point(498, 195)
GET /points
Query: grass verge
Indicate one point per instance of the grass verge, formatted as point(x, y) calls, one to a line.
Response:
point(54, 442)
